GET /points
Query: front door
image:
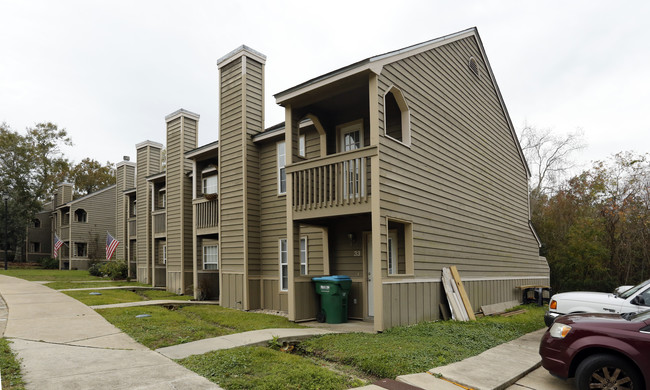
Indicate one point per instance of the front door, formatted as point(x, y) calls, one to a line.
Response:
point(369, 289)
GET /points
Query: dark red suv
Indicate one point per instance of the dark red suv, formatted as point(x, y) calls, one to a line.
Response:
point(602, 351)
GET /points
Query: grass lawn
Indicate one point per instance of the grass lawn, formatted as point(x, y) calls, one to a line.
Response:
point(121, 296)
point(49, 274)
point(418, 348)
point(188, 323)
point(264, 368)
point(10, 368)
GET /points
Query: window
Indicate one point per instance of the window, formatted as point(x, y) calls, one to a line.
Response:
point(396, 116)
point(399, 248)
point(164, 254)
point(163, 197)
point(211, 257)
point(284, 265)
point(301, 145)
point(80, 249)
point(80, 215)
point(36, 223)
point(210, 185)
point(35, 247)
point(392, 252)
point(282, 174)
point(353, 174)
point(303, 256)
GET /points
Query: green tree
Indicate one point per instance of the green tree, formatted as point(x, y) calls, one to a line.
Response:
point(90, 176)
point(30, 166)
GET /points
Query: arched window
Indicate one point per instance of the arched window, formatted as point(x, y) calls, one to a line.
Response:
point(36, 223)
point(396, 116)
point(80, 215)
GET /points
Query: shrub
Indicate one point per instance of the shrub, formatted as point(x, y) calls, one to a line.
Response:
point(95, 269)
point(49, 263)
point(115, 269)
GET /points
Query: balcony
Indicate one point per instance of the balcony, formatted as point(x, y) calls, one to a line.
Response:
point(206, 216)
point(334, 185)
point(159, 223)
point(132, 232)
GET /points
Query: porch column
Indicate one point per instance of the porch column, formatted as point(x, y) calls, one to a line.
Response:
point(378, 273)
point(293, 253)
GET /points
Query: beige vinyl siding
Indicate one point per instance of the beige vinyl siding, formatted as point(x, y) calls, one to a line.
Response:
point(181, 138)
point(273, 227)
point(312, 142)
point(124, 179)
point(100, 214)
point(231, 176)
point(148, 163)
point(254, 108)
point(462, 183)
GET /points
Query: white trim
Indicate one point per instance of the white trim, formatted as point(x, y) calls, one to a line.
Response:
point(241, 51)
point(125, 163)
point(280, 260)
point(302, 142)
point(148, 143)
point(164, 254)
point(181, 113)
point(394, 251)
point(203, 262)
point(306, 256)
point(405, 116)
point(279, 167)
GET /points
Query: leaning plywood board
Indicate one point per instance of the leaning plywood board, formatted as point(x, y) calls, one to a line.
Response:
point(463, 294)
point(458, 311)
point(497, 308)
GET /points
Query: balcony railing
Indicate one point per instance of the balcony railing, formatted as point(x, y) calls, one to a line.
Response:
point(325, 185)
point(159, 222)
point(207, 213)
point(132, 228)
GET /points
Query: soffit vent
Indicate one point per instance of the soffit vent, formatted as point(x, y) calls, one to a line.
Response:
point(473, 66)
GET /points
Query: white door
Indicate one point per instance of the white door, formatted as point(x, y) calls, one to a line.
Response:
point(370, 292)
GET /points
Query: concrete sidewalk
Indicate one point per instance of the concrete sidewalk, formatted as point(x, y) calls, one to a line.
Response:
point(64, 344)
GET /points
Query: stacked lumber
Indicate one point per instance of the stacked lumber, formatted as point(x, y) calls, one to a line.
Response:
point(459, 304)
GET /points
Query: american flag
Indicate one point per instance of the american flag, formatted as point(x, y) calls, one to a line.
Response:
point(57, 245)
point(111, 245)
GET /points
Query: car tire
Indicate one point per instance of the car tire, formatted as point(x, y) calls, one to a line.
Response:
point(598, 370)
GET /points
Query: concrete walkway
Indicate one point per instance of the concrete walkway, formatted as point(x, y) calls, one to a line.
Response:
point(254, 337)
point(64, 344)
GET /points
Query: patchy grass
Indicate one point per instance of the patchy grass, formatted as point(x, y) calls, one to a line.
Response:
point(121, 296)
point(418, 348)
point(49, 274)
point(104, 282)
point(10, 368)
point(263, 368)
point(183, 324)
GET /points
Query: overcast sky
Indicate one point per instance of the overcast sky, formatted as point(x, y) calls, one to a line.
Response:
point(109, 71)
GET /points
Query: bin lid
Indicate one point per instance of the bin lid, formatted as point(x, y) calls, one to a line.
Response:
point(333, 278)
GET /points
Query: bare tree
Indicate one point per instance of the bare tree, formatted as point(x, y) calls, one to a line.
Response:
point(549, 157)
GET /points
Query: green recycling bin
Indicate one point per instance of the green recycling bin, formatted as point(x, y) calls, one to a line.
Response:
point(333, 291)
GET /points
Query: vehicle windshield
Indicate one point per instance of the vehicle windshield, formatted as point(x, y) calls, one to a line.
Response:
point(634, 290)
point(641, 316)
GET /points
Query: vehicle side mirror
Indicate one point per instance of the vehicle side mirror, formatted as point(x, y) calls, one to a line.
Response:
point(638, 300)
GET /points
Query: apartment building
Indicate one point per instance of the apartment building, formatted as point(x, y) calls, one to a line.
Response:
point(386, 171)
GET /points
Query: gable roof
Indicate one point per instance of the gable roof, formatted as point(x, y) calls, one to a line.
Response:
point(87, 196)
point(375, 65)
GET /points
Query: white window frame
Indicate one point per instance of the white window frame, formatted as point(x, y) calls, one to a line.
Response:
point(164, 254)
point(405, 113)
point(282, 162)
point(353, 172)
point(304, 256)
point(214, 261)
point(283, 250)
point(302, 145)
point(163, 195)
point(210, 189)
point(393, 253)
